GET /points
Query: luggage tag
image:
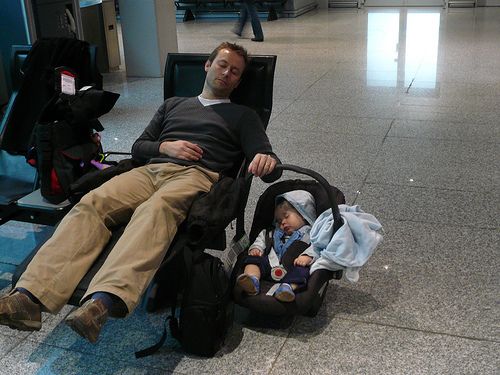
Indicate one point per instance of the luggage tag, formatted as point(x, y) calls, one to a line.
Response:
point(68, 83)
point(277, 270)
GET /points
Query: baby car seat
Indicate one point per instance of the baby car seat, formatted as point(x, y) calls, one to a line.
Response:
point(308, 301)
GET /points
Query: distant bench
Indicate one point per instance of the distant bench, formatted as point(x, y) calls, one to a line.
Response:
point(190, 7)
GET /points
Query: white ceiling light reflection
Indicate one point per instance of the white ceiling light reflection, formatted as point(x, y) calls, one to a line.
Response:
point(402, 44)
point(382, 49)
point(422, 41)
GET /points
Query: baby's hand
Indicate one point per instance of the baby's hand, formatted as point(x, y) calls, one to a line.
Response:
point(255, 252)
point(303, 260)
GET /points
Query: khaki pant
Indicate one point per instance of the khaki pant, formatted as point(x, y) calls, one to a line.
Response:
point(154, 199)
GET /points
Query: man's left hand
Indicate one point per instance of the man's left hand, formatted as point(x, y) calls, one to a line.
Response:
point(262, 165)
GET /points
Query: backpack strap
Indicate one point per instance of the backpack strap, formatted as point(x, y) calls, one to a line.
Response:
point(153, 349)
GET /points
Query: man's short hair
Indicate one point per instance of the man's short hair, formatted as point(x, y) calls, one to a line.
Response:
point(232, 47)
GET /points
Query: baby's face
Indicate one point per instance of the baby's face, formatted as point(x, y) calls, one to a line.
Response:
point(288, 220)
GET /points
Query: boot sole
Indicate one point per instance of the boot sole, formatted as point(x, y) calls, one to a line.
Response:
point(79, 328)
point(21, 325)
point(247, 285)
point(284, 297)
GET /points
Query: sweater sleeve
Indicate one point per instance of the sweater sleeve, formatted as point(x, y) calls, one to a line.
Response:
point(254, 141)
point(147, 145)
point(260, 242)
point(253, 136)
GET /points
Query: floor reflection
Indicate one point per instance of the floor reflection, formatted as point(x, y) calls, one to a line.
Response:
point(402, 48)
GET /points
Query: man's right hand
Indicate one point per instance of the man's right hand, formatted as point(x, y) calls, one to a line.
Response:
point(181, 150)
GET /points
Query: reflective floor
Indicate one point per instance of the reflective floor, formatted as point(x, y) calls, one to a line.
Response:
point(399, 108)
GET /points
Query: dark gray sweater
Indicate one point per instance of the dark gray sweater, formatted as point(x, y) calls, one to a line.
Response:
point(225, 132)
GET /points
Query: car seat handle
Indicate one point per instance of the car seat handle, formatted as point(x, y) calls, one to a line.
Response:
point(337, 219)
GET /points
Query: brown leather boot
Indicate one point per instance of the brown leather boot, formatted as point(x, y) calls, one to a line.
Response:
point(18, 311)
point(88, 319)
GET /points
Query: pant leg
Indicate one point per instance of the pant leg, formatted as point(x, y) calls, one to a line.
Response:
point(262, 262)
point(296, 275)
point(254, 17)
point(134, 260)
point(65, 258)
point(242, 20)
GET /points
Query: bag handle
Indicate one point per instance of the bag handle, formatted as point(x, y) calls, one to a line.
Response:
point(337, 219)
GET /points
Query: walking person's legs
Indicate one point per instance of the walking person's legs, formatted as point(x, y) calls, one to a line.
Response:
point(242, 20)
point(256, 26)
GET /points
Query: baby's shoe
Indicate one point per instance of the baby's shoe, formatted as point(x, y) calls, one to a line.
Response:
point(249, 283)
point(284, 293)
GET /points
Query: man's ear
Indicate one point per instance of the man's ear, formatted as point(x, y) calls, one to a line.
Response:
point(208, 64)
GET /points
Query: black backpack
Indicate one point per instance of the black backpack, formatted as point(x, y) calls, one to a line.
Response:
point(206, 311)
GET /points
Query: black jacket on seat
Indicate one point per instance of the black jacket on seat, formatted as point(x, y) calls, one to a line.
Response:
point(38, 85)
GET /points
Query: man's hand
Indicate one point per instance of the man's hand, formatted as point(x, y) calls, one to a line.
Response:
point(302, 260)
point(262, 165)
point(255, 252)
point(181, 150)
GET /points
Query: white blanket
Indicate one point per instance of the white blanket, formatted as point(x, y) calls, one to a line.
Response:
point(351, 246)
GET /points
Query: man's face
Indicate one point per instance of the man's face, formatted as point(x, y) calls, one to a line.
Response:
point(224, 73)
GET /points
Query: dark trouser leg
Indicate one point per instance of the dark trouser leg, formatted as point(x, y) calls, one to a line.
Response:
point(256, 26)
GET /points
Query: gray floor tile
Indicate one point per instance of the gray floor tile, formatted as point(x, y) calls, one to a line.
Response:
point(344, 347)
point(243, 355)
point(280, 106)
point(445, 130)
point(329, 154)
point(317, 122)
point(7, 343)
point(428, 205)
point(344, 108)
point(443, 114)
point(38, 358)
point(444, 164)
point(467, 90)
point(428, 277)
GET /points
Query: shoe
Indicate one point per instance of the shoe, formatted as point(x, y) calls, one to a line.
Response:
point(88, 319)
point(235, 31)
point(284, 293)
point(250, 284)
point(257, 39)
point(18, 311)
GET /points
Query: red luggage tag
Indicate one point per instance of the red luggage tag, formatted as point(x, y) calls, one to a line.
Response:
point(68, 83)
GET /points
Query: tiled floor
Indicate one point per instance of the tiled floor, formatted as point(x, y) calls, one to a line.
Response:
point(399, 109)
